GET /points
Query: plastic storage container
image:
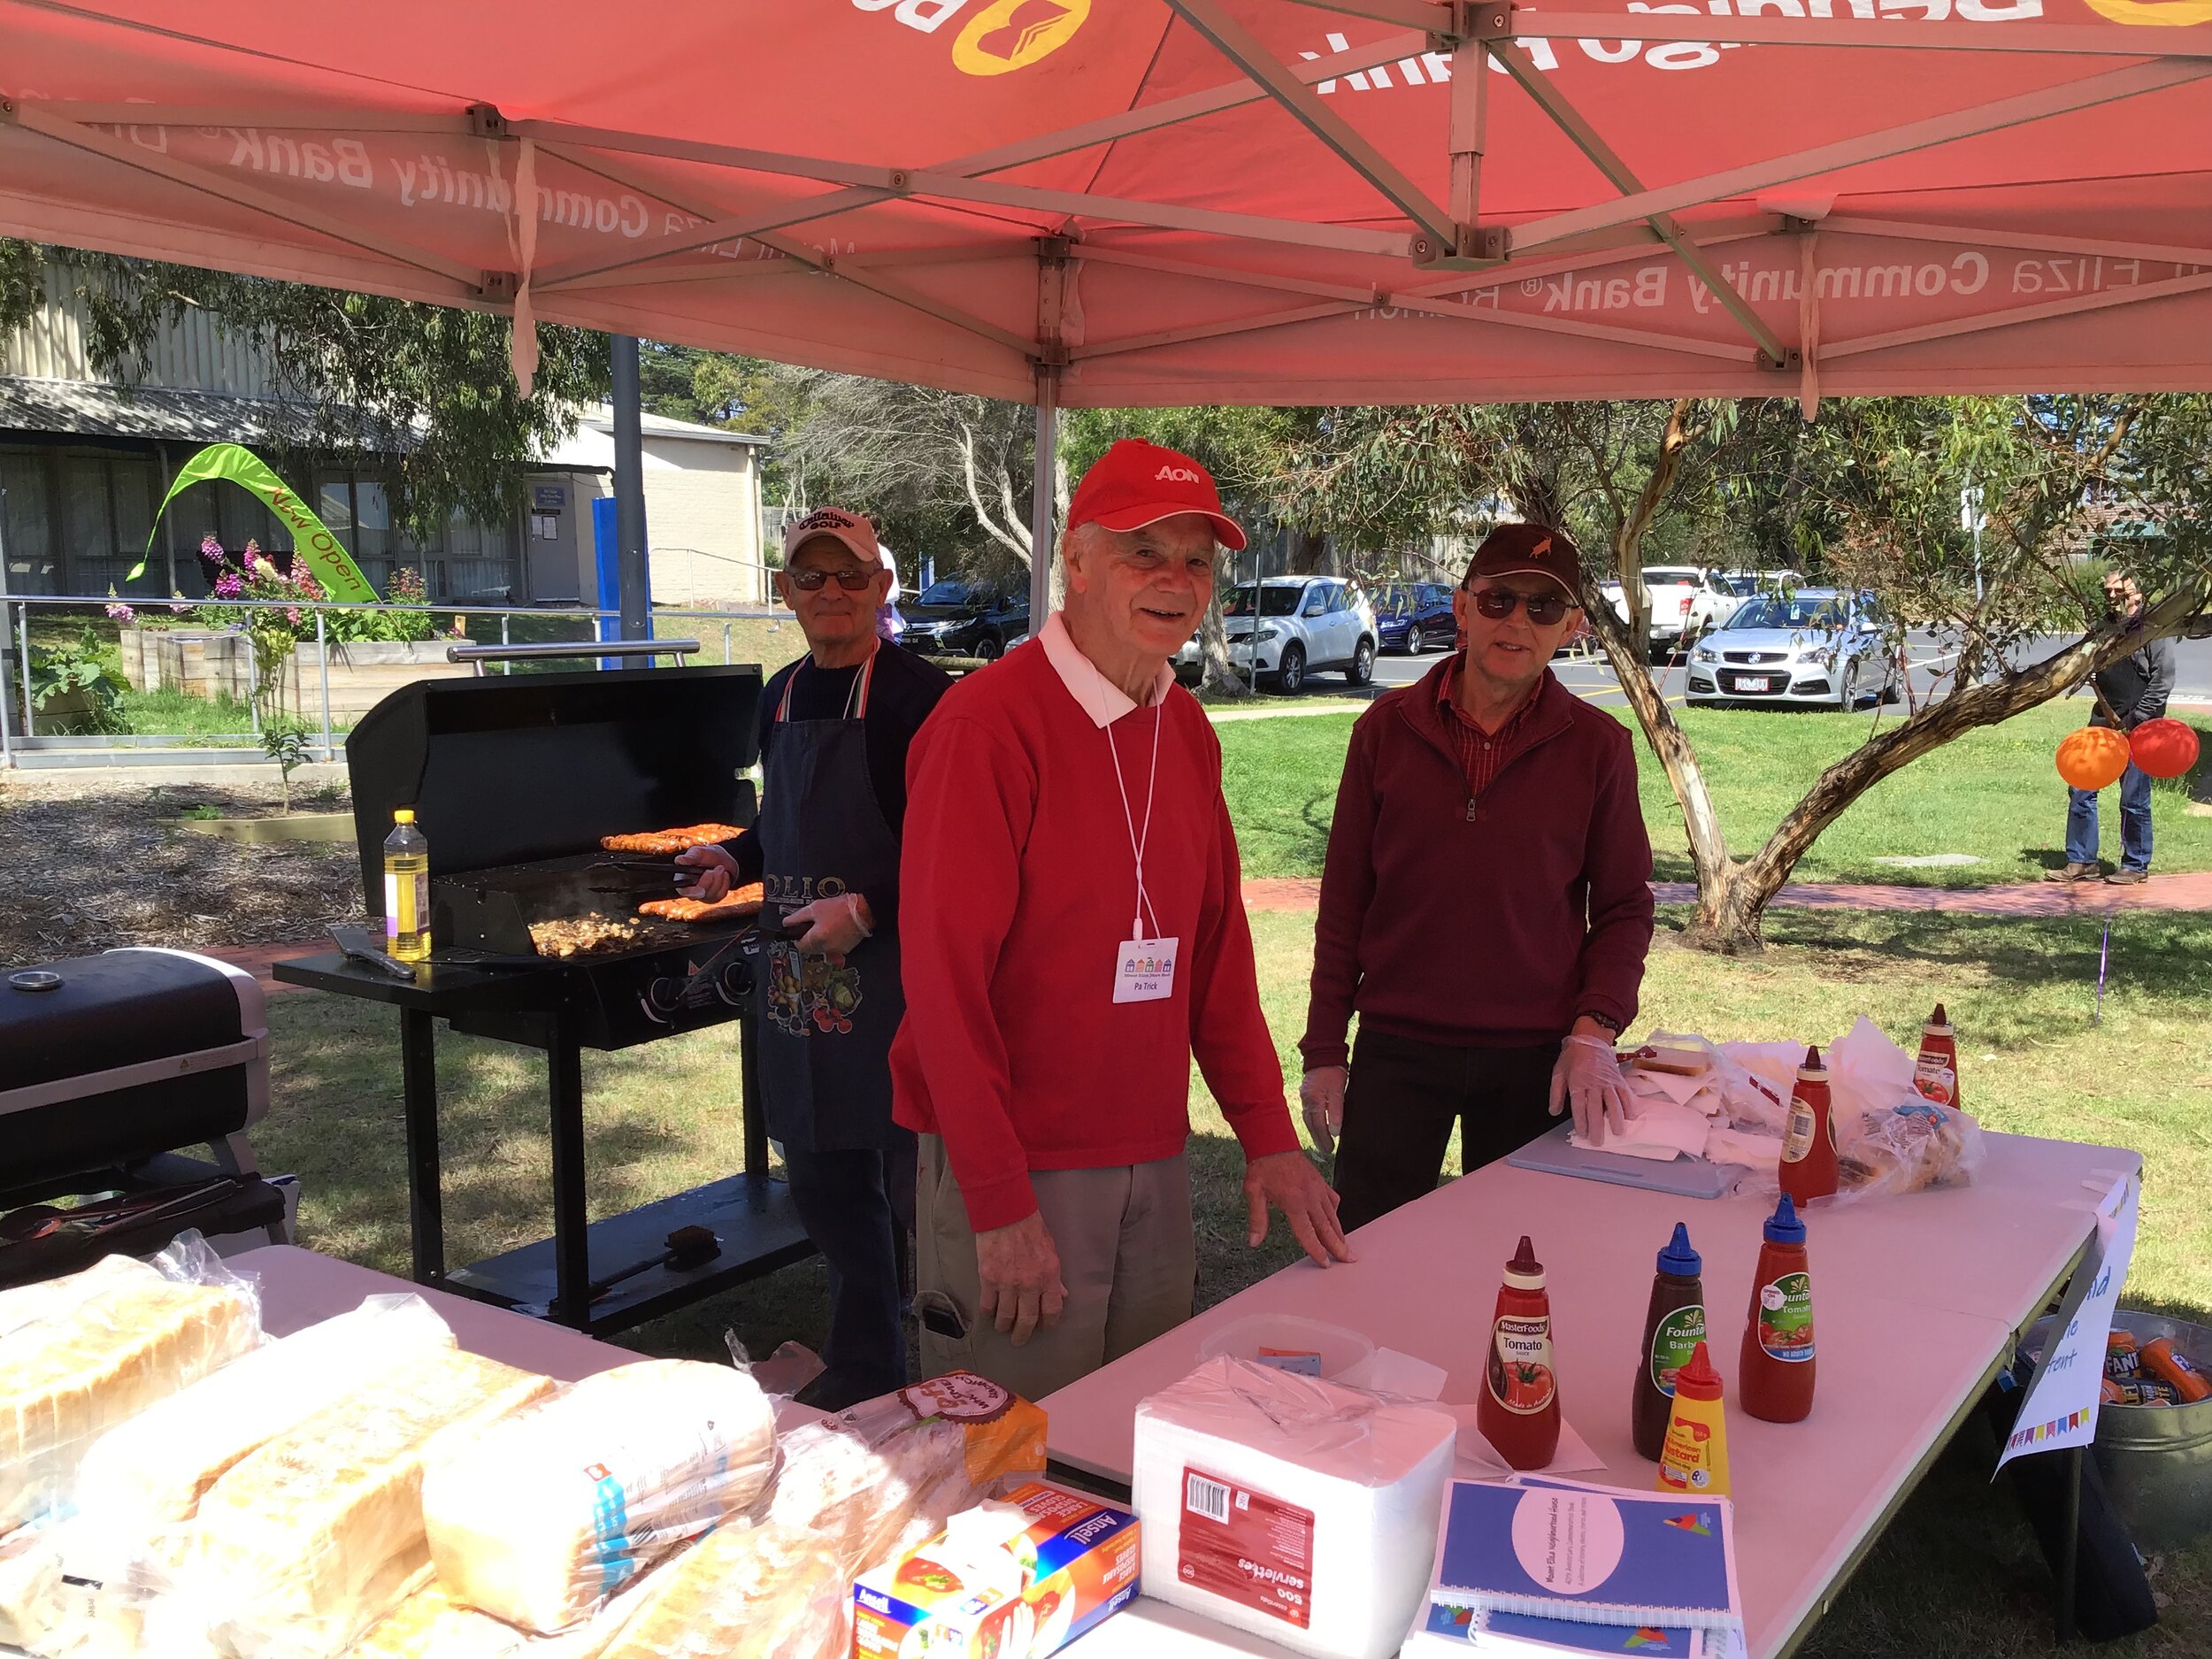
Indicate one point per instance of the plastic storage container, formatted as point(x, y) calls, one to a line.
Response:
point(1287, 1333)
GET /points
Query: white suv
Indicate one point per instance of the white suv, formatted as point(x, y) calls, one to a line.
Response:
point(1287, 627)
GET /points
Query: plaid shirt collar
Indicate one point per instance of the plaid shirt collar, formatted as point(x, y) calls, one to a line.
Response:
point(1448, 703)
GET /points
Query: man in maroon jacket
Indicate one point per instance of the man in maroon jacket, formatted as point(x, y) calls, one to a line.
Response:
point(1485, 906)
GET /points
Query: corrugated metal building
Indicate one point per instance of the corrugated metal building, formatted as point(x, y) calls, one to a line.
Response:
point(84, 458)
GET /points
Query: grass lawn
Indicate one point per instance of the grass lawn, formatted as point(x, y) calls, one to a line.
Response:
point(1957, 1574)
point(1994, 794)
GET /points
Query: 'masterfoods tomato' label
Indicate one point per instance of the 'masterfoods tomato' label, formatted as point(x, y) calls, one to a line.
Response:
point(1521, 1376)
point(1785, 1318)
point(1672, 1343)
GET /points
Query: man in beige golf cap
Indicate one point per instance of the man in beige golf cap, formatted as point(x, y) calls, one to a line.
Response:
point(834, 731)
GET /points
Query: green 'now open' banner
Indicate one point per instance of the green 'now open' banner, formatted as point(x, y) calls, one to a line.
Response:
point(332, 565)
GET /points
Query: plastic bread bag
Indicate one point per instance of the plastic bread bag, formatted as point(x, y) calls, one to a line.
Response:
point(539, 1517)
point(1906, 1146)
point(852, 1491)
point(80, 1354)
point(146, 1477)
point(314, 1536)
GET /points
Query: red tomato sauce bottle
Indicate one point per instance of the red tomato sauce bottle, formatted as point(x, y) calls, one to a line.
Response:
point(1935, 1073)
point(1808, 1150)
point(1776, 1368)
point(1518, 1413)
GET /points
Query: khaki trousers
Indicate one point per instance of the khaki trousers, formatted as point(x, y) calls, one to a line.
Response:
point(1127, 1254)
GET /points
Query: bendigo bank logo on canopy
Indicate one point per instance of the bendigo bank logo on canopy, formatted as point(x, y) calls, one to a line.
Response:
point(996, 36)
point(2173, 13)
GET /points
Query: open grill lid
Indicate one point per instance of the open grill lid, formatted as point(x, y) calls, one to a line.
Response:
point(509, 769)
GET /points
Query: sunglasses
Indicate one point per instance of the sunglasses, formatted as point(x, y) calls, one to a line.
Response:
point(1498, 603)
point(851, 581)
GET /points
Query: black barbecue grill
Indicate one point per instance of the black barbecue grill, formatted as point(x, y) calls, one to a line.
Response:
point(514, 779)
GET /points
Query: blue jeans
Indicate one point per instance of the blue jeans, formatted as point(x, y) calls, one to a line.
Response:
point(2135, 822)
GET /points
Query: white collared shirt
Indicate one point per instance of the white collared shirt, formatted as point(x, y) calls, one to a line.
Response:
point(1098, 696)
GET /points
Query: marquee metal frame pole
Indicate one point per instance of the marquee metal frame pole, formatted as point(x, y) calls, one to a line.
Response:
point(629, 496)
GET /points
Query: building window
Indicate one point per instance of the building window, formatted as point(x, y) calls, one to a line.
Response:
point(107, 507)
point(26, 522)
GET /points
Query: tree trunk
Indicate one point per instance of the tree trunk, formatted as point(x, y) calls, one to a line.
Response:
point(1719, 924)
point(1998, 700)
point(1222, 679)
point(1309, 550)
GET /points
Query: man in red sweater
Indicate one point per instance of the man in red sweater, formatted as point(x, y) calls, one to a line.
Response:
point(1485, 904)
point(1074, 933)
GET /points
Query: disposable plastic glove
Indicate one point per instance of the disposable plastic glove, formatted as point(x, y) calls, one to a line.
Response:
point(1588, 1076)
point(1321, 1098)
point(834, 927)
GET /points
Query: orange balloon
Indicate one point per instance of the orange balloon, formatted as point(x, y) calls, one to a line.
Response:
point(2093, 757)
point(2163, 748)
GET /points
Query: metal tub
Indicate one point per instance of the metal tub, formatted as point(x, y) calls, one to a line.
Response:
point(2157, 1460)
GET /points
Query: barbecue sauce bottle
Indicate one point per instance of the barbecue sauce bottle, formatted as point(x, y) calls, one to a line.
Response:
point(1518, 1413)
point(1808, 1150)
point(1673, 1329)
point(1775, 1374)
point(406, 890)
point(1935, 1073)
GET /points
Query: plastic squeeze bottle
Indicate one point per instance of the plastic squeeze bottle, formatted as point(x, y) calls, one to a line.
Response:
point(406, 890)
point(1776, 1372)
point(1808, 1150)
point(1518, 1413)
point(1935, 1072)
point(1673, 1327)
point(1694, 1458)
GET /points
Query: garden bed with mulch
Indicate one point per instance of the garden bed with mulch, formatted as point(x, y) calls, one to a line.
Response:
point(86, 866)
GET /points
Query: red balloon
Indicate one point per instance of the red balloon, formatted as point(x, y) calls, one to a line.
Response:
point(2163, 748)
point(2093, 757)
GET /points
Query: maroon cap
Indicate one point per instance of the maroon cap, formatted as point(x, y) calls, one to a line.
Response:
point(1530, 550)
point(1136, 483)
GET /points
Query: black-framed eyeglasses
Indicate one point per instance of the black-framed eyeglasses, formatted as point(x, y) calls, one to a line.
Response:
point(1498, 603)
point(851, 581)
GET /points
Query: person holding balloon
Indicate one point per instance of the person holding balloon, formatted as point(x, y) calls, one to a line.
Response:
point(2131, 694)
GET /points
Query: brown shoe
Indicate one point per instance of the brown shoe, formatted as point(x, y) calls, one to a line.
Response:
point(2071, 872)
point(2124, 878)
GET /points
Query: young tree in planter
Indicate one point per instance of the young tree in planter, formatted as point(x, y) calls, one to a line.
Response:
point(1875, 487)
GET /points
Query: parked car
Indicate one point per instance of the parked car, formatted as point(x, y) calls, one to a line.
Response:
point(1287, 627)
point(1817, 645)
point(1673, 589)
point(959, 617)
point(1724, 590)
point(1414, 616)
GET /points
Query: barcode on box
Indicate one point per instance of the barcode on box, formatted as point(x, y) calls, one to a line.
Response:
point(1209, 1498)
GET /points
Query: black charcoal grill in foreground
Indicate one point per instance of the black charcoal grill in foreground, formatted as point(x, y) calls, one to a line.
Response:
point(514, 779)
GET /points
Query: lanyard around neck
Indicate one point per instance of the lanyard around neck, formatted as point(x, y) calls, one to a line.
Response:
point(856, 695)
point(1138, 837)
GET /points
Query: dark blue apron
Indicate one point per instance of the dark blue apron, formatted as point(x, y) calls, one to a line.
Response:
point(826, 1022)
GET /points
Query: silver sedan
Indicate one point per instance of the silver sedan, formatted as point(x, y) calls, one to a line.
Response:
point(1817, 647)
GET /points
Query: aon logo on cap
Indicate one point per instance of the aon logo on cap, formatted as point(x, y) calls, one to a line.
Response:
point(1175, 475)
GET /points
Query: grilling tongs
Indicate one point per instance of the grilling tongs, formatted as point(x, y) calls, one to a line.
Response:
point(634, 864)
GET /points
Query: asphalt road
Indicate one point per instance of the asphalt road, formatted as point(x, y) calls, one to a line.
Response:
point(1593, 677)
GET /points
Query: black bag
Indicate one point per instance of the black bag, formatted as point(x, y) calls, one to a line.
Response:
point(2112, 1597)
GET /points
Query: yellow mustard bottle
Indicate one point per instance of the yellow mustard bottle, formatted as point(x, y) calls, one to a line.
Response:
point(1693, 1458)
point(406, 890)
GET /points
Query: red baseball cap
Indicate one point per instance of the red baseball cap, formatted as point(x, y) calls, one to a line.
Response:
point(1136, 483)
point(1529, 549)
